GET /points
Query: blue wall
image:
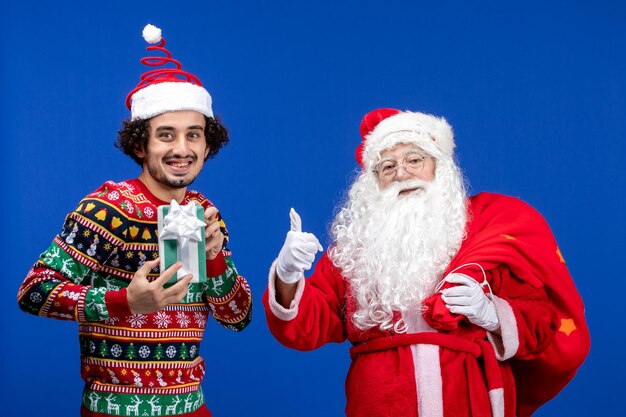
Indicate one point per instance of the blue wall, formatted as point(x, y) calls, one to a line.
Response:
point(535, 91)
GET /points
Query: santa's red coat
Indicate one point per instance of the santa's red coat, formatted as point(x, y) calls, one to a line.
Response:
point(445, 366)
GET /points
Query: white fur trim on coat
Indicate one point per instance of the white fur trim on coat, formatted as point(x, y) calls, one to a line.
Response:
point(496, 398)
point(279, 311)
point(507, 343)
point(426, 368)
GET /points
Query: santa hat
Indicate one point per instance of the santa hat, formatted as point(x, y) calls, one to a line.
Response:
point(165, 89)
point(379, 130)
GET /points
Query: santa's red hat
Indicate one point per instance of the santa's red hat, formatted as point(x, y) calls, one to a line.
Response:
point(383, 128)
point(165, 89)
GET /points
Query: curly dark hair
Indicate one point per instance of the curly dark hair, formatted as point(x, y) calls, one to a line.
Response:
point(134, 136)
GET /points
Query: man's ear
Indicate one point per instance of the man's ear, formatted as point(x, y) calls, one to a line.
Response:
point(140, 152)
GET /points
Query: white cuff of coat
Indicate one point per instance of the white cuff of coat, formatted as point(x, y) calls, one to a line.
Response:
point(285, 314)
point(507, 343)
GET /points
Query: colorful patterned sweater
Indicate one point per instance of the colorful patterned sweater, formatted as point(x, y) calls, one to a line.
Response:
point(133, 364)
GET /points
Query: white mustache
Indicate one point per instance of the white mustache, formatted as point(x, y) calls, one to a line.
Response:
point(394, 189)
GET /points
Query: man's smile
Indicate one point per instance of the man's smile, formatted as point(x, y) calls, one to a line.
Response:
point(180, 165)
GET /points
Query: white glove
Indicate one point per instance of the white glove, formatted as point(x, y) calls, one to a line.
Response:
point(298, 252)
point(469, 299)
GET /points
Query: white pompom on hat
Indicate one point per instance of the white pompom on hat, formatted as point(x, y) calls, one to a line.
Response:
point(378, 129)
point(151, 34)
point(165, 89)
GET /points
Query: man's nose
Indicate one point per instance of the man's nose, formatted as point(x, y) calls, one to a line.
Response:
point(181, 147)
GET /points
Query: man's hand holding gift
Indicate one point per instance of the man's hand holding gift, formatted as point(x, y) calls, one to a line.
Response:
point(145, 297)
point(212, 233)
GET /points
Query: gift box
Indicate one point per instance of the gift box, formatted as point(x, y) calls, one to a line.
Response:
point(181, 238)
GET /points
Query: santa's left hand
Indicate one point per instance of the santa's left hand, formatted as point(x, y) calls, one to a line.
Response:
point(469, 299)
point(212, 233)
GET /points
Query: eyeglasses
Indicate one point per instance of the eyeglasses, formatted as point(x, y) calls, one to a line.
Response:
point(413, 163)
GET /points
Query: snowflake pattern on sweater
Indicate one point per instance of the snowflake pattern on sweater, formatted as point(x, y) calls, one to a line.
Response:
point(131, 362)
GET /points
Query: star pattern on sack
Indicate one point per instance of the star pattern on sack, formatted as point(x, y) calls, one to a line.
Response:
point(560, 255)
point(567, 326)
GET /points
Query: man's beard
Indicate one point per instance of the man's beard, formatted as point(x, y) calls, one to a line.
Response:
point(394, 249)
point(157, 173)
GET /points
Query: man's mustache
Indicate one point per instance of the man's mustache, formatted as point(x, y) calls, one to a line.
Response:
point(167, 158)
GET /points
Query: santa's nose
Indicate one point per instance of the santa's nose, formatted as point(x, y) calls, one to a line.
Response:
point(402, 174)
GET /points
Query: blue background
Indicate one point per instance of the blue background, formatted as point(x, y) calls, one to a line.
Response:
point(535, 91)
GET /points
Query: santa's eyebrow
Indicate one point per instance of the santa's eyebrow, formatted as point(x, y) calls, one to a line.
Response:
point(420, 153)
point(410, 152)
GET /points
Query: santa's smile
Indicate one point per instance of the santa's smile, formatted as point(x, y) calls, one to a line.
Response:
point(411, 190)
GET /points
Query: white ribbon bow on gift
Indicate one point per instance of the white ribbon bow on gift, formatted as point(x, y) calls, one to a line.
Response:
point(182, 225)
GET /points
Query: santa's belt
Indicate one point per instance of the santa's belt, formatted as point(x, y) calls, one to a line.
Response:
point(478, 348)
point(423, 338)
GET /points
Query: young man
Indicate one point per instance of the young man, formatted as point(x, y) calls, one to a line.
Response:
point(139, 337)
point(455, 306)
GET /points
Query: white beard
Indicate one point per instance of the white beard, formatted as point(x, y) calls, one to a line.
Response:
point(394, 249)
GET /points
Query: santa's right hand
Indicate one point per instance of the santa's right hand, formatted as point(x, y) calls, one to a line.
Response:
point(298, 252)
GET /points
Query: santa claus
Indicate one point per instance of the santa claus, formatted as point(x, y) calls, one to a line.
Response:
point(454, 305)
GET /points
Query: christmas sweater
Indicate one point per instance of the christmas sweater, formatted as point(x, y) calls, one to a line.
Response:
point(132, 364)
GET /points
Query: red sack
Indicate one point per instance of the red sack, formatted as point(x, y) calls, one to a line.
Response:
point(505, 230)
